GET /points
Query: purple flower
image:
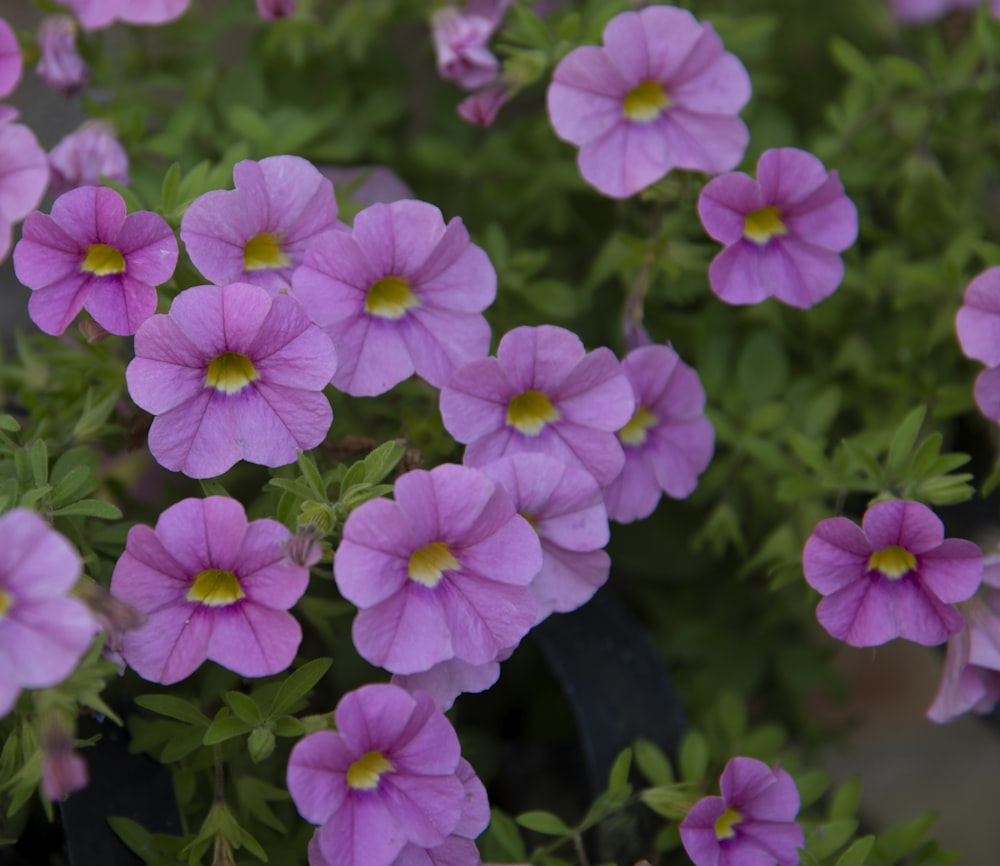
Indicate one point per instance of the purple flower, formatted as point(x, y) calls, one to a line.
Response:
point(11, 63)
point(661, 93)
point(88, 253)
point(923, 11)
point(668, 442)
point(751, 824)
point(403, 293)
point(231, 373)
point(480, 109)
point(369, 184)
point(212, 586)
point(460, 40)
point(86, 155)
point(564, 506)
point(97, 14)
point(271, 10)
point(43, 632)
point(895, 576)
point(24, 174)
point(387, 777)
point(542, 393)
point(978, 327)
point(440, 573)
point(446, 680)
point(258, 232)
point(63, 769)
point(783, 232)
point(60, 66)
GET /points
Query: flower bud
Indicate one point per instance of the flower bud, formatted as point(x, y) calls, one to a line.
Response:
point(60, 66)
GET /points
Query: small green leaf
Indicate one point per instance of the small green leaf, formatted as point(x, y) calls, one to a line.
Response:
point(133, 834)
point(618, 777)
point(39, 453)
point(896, 842)
point(310, 471)
point(260, 744)
point(244, 707)
point(812, 785)
point(181, 745)
point(903, 441)
point(174, 708)
point(857, 854)
point(845, 801)
point(652, 763)
point(90, 508)
point(829, 837)
point(502, 839)
point(224, 728)
point(544, 822)
point(288, 726)
point(693, 757)
point(9, 424)
point(671, 801)
point(298, 685)
point(382, 461)
point(169, 192)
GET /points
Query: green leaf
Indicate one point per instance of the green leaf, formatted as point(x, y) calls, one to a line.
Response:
point(382, 461)
point(9, 424)
point(812, 785)
point(732, 715)
point(310, 471)
point(133, 834)
point(355, 475)
point(90, 508)
point(850, 59)
point(544, 822)
point(845, 801)
point(212, 487)
point(298, 685)
point(170, 191)
point(260, 745)
point(71, 483)
point(618, 777)
point(652, 763)
point(181, 745)
point(39, 454)
point(224, 728)
point(693, 757)
point(829, 837)
point(903, 441)
point(244, 707)
point(762, 369)
point(288, 726)
point(857, 854)
point(896, 842)
point(671, 801)
point(174, 708)
point(502, 840)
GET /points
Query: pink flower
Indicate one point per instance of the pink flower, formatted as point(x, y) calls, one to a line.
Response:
point(661, 93)
point(10, 60)
point(231, 373)
point(212, 586)
point(440, 573)
point(43, 631)
point(978, 327)
point(97, 14)
point(446, 680)
point(751, 824)
point(389, 776)
point(86, 155)
point(460, 40)
point(24, 174)
point(783, 232)
point(543, 393)
point(403, 293)
point(258, 232)
point(923, 11)
point(895, 576)
point(271, 10)
point(63, 768)
point(60, 66)
point(480, 109)
point(88, 253)
point(668, 442)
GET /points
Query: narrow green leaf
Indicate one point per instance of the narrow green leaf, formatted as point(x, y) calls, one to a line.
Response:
point(382, 461)
point(812, 785)
point(174, 708)
point(504, 835)
point(260, 744)
point(244, 707)
point(857, 854)
point(133, 834)
point(846, 799)
point(90, 508)
point(225, 728)
point(39, 453)
point(181, 745)
point(169, 192)
point(9, 424)
point(298, 685)
point(544, 822)
point(693, 757)
point(903, 441)
point(652, 763)
point(618, 777)
point(831, 836)
point(313, 477)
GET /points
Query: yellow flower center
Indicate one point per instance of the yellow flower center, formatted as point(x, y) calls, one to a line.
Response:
point(893, 561)
point(763, 224)
point(430, 562)
point(264, 251)
point(390, 298)
point(645, 102)
point(364, 773)
point(230, 372)
point(215, 588)
point(725, 822)
point(6, 602)
point(530, 412)
point(634, 433)
point(102, 260)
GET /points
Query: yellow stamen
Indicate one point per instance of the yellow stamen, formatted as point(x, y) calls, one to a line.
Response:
point(634, 433)
point(264, 251)
point(763, 224)
point(390, 298)
point(893, 561)
point(530, 412)
point(215, 588)
point(230, 372)
point(102, 260)
point(725, 822)
point(6, 602)
point(364, 773)
point(429, 563)
point(645, 102)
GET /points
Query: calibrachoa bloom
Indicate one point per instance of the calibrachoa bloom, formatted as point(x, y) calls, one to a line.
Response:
point(446, 680)
point(783, 232)
point(97, 14)
point(978, 326)
point(258, 232)
point(60, 65)
point(971, 676)
point(542, 393)
point(212, 586)
point(88, 253)
point(10, 60)
point(922, 11)
point(480, 108)
point(661, 93)
point(24, 174)
point(440, 573)
point(895, 576)
point(564, 506)
point(460, 42)
point(85, 155)
point(668, 442)
point(271, 10)
point(403, 293)
point(389, 776)
point(231, 373)
point(751, 824)
point(43, 632)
